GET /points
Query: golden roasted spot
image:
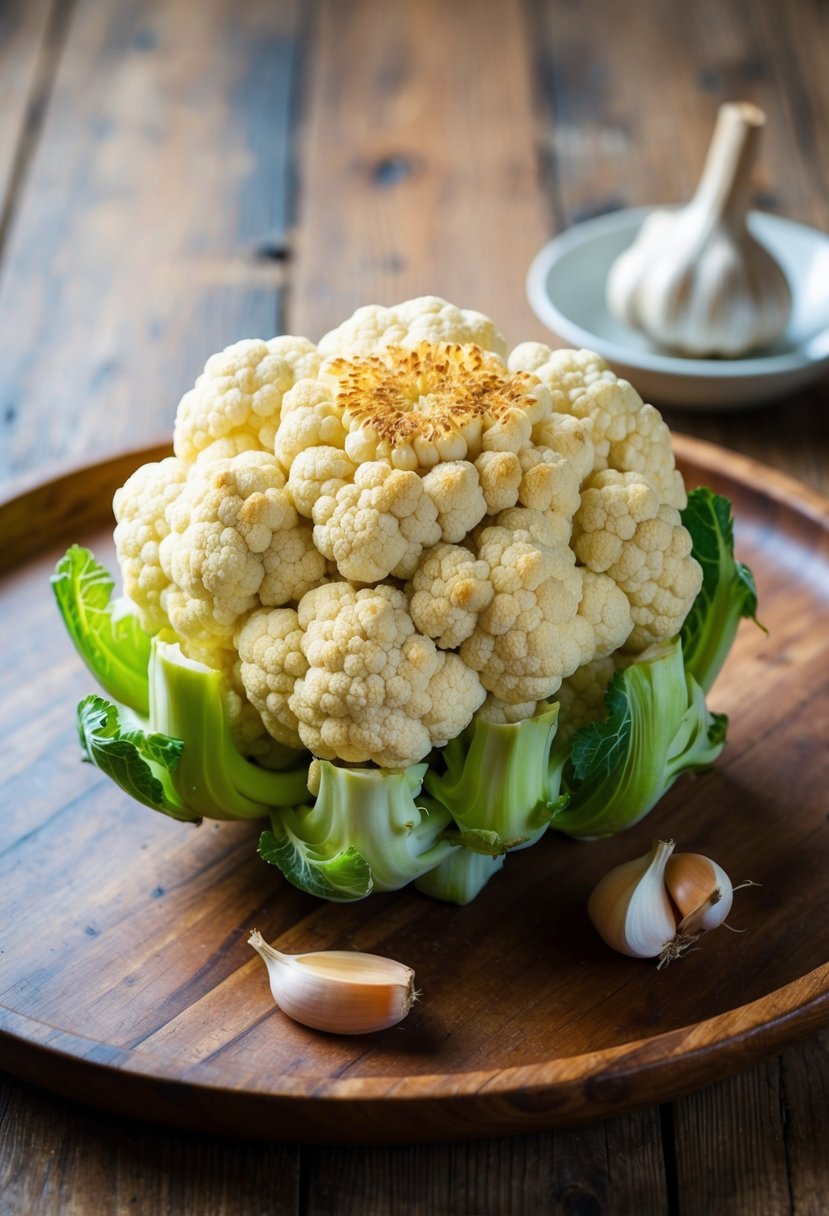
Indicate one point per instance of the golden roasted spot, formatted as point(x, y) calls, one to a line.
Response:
point(433, 393)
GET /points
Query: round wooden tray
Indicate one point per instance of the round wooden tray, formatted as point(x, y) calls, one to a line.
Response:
point(126, 980)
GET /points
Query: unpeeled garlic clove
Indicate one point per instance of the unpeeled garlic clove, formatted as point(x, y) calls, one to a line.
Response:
point(341, 991)
point(630, 907)
point(701, 890)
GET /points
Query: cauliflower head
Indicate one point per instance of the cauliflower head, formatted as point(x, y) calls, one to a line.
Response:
point(379, 536)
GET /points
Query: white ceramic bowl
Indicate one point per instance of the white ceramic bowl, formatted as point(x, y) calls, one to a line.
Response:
point(566, 288)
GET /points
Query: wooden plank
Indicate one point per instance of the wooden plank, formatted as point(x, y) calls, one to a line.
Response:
point(87, 1164)
point(730, 1149)
point(24, 78)
point(804, 1082)
point(633, 102)
point(418, 169)
point(608, 1167)
point(148, 231)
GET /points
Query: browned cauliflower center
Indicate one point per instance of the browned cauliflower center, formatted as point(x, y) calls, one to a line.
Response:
point(443, 393)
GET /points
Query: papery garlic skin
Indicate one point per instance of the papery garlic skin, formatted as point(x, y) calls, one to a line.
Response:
point(701, 890)
point(339, 991)
point(630, 907)
point(695, 280)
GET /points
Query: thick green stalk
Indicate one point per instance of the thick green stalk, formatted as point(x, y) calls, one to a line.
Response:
point(187, 703)
point(657, 727)
point(498, 778)
point(364, 832)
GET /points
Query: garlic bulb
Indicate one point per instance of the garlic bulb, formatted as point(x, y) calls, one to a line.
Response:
point(701, 890)
point(341, 991)
point(630, 905)
point(695, 280)
point(634, 907)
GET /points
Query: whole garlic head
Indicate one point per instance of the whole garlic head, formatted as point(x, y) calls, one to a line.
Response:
point(695, 280)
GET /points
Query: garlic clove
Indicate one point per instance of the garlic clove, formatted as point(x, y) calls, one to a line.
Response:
point(701, 890)
point(630, 907)
point(341, 991)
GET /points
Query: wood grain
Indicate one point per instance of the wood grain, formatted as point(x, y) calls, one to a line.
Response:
point(150, 229)
point(418, 170)
point(614, 1166)
point(26, 69)
point(705, 53)
point(145, 986)
point(87, 1164)
point(633, 104)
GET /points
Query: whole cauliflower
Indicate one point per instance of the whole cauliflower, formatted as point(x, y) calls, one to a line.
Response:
point(377, 537)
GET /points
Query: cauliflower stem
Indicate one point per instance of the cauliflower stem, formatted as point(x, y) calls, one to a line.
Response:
point(498, 783)
point(179, 756)
point(367, 831)
point(411, 598)
point(656, 727)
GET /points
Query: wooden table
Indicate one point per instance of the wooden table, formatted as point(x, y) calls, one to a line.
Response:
point(176, 176)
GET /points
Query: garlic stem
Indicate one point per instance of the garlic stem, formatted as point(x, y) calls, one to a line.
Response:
point(724, 185)
point(341, 991)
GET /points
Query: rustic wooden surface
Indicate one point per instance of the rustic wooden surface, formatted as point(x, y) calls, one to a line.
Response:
point(169, 185)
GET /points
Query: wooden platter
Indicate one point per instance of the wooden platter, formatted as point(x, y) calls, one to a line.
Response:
point(125, 977)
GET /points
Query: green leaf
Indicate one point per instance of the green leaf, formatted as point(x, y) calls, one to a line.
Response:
point(718, 730)
point(111, 642)
point(600, 747)
point(658, 727)
point(135, 761)
point(728, 593)
point(344, 877)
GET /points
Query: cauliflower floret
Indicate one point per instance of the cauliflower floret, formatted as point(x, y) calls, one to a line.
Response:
point(500, 476)
point(455, 489)
point(607, 608)
point(581, 697)
point(318, 473)
point(236, 402)
point(427, 318)
point(547, 528)
point(140, 508)
point(548, 482)
point(494, 710)
point(623, 530)
point(375, 689)
point(530, 634)
point(450, 588)
point(235, 541)
point(310, 418)
point(571, 438)
point(627, 434)
point(271, 661)
point(378, 525)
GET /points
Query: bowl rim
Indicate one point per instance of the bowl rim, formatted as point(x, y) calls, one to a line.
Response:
point(808, 354)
